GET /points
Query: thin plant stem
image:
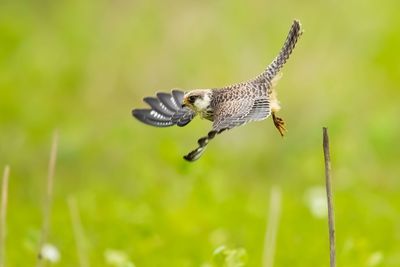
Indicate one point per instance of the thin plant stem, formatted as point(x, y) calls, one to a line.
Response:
point(328, 182)
point(3, 213)
point(48, 198)
point(79, 235)
point(272, 229)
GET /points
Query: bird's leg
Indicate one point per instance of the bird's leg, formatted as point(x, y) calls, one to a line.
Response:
point(279, 124)
point(203, 142)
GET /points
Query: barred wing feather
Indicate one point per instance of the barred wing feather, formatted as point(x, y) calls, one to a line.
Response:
point(165, 110)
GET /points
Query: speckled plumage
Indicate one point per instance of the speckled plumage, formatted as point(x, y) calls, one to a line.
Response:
point(226, 107)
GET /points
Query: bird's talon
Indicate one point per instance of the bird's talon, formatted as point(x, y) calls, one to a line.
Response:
point(279, 124)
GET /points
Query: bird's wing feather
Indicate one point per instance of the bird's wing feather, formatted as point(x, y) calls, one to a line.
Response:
point(237, 112)
point(165, 110)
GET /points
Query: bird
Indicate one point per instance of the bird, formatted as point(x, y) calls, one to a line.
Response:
point(227, 107)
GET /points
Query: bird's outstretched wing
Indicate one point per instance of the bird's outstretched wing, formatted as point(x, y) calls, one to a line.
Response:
point(165, 110)
point(231, 114)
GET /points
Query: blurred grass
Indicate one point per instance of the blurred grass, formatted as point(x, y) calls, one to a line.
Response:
point(80, 66)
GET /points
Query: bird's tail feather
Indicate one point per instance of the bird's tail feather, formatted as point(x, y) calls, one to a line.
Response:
point(290, 43)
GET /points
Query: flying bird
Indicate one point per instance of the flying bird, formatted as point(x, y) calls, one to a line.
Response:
point(226, 107)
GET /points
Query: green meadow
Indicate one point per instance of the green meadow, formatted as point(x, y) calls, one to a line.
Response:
point(79, 67)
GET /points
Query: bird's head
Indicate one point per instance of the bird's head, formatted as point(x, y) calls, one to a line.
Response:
point(197, 100)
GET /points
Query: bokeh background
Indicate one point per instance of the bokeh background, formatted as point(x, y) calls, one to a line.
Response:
point(79, 67)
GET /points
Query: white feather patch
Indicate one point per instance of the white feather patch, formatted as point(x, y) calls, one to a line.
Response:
point(201, 104)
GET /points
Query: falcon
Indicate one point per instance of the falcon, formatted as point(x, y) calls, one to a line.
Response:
point(227, 107)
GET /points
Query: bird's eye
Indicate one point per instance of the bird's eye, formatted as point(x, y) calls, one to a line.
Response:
point(192, 98)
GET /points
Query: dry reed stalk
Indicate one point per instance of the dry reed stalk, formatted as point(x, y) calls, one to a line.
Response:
point(328, 182)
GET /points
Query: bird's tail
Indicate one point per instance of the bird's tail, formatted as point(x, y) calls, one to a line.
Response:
point(277, 64)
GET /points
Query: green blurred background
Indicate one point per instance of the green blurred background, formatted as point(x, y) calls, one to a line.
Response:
point(81, 66)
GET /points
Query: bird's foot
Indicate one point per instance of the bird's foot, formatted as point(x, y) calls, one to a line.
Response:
point(279, 124)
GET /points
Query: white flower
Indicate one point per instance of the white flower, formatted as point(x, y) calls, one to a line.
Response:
point(315, 198)
point(375, 258)
point(50, 252)
point(117, 258)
